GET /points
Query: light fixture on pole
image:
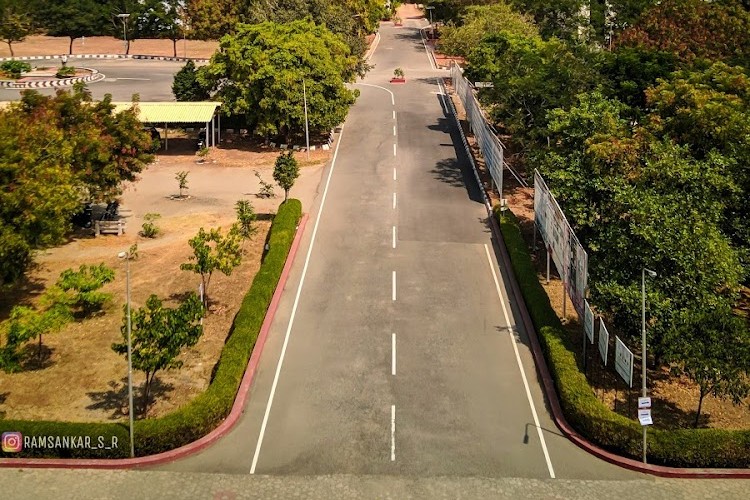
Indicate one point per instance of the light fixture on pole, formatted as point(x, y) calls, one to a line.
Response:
point(124, 19)
point(651, 274)
point(430, 8)
point(307, 128)
point(126, 256)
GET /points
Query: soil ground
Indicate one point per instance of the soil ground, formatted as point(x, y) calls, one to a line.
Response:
point(674, 399)
point(80, 378)
point(42, 45)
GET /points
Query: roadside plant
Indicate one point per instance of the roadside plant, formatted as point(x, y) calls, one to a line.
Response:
point(65, 72)
point(158, 336)
point(213, 251)
point(149, 229)
point(14, 69)
point(398, 73)
point(266, 188)
point(246, 217)
point(286, 171)
point(182, 179)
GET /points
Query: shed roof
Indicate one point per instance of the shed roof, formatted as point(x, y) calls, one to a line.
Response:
point(172, 112)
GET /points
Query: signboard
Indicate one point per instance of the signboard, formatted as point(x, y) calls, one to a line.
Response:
point(588, 321)
point(623, 361)
point(483, 85)
point(644, 417)
point(570, 259)
point(644, 403)
point(603, 341)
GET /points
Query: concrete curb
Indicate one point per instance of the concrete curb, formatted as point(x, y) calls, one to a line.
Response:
point(95, 76)
point(547, 381)
point(102, 56)
point(211, 437)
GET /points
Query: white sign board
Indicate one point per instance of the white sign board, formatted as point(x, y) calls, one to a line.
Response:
point(644, 403)
point(644, 416)
point(570, 259)
point(603, 341)
point(483, 85)
point(623, 361)
point(588, 321)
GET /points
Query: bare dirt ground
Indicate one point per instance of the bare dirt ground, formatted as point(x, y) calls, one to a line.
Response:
point(675, 399)
point(42, 45)
point(80, 377)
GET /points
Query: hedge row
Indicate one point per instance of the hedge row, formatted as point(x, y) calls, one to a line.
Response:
point(592, 419)
point(207, 410)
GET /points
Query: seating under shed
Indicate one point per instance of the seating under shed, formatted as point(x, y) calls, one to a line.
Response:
point(190, 114)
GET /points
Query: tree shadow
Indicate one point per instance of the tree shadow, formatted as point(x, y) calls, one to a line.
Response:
point(34, 359)
point(115, 400)
point(3, 397)
point(21, 292)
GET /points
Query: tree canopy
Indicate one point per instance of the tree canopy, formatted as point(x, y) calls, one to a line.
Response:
point(258, 73)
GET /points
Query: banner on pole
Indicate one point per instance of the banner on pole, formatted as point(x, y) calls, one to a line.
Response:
point(623, 361)
point(603, 341)
point(588, 321)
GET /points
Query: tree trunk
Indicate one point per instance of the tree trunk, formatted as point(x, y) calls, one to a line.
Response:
point(147, 392)
point(39, 350)
point(174, 46)
point(70, 47)
point(286, 194)
point(10, 46)
point(127, 48)
point(700, 407)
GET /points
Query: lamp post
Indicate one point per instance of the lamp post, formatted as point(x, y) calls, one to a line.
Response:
point(126, 256)
point(652, 274)
point(124, 18)
point(430, 8)
point(307, 128)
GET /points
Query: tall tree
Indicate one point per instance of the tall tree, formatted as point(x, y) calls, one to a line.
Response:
point(158, 336)
point(286, 171)
point(15, 24)
point(186, 86)
point(74, 19)
point(259, 73)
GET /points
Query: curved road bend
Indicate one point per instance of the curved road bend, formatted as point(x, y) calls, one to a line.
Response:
point(400, 256)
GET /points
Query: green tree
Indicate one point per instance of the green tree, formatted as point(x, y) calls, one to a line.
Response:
point(286, 171)
point(712, 347)
point(158, 336)
point(74, 19)
point(82, 288)
point(258, 72)
point(186, 86)
point(26, 324)
point(213, 251)
point(481, 21)
point(15, 25)
point(182, 179)
point(246, 217)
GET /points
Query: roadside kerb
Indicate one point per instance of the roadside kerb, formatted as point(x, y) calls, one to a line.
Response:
point(211, 437)
point(544, 374)
point(95, 76)
point(103, 56)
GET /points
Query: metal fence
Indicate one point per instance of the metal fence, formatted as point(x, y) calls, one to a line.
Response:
point(489, 144)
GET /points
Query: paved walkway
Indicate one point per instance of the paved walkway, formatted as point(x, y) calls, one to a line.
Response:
point(84, 484)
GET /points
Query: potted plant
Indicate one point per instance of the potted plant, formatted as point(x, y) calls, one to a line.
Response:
point(398, 76)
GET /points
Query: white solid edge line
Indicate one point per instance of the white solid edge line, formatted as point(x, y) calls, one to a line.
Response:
point(393, 99)
point(294, 310)
point(394, 236)
point(520, 367)
point(393, 433)
point(393, 354)
point(393, 294)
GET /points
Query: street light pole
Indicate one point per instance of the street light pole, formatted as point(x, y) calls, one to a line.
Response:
point(124, 18)
point(652, 274)
point(126, 256)
point(307, 128)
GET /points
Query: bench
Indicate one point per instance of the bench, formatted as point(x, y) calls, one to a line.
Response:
point(109, 227)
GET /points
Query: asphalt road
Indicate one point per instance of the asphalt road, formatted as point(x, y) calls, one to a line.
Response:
point(399, 350)
point(123, 77)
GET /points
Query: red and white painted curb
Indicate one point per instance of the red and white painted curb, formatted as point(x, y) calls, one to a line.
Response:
point(213, 436)
point(103, 56)
point(95, 76)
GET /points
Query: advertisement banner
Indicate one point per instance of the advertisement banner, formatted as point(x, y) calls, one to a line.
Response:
point(623, 361)
point(603, 341)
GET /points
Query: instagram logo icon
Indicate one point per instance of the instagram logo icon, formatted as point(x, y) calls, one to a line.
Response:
point(12, 442)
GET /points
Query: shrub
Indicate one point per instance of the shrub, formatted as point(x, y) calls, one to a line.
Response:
point(207, 410)
point(149, 229)
point(596, 422)
point(14, 69)
point(65, 72)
